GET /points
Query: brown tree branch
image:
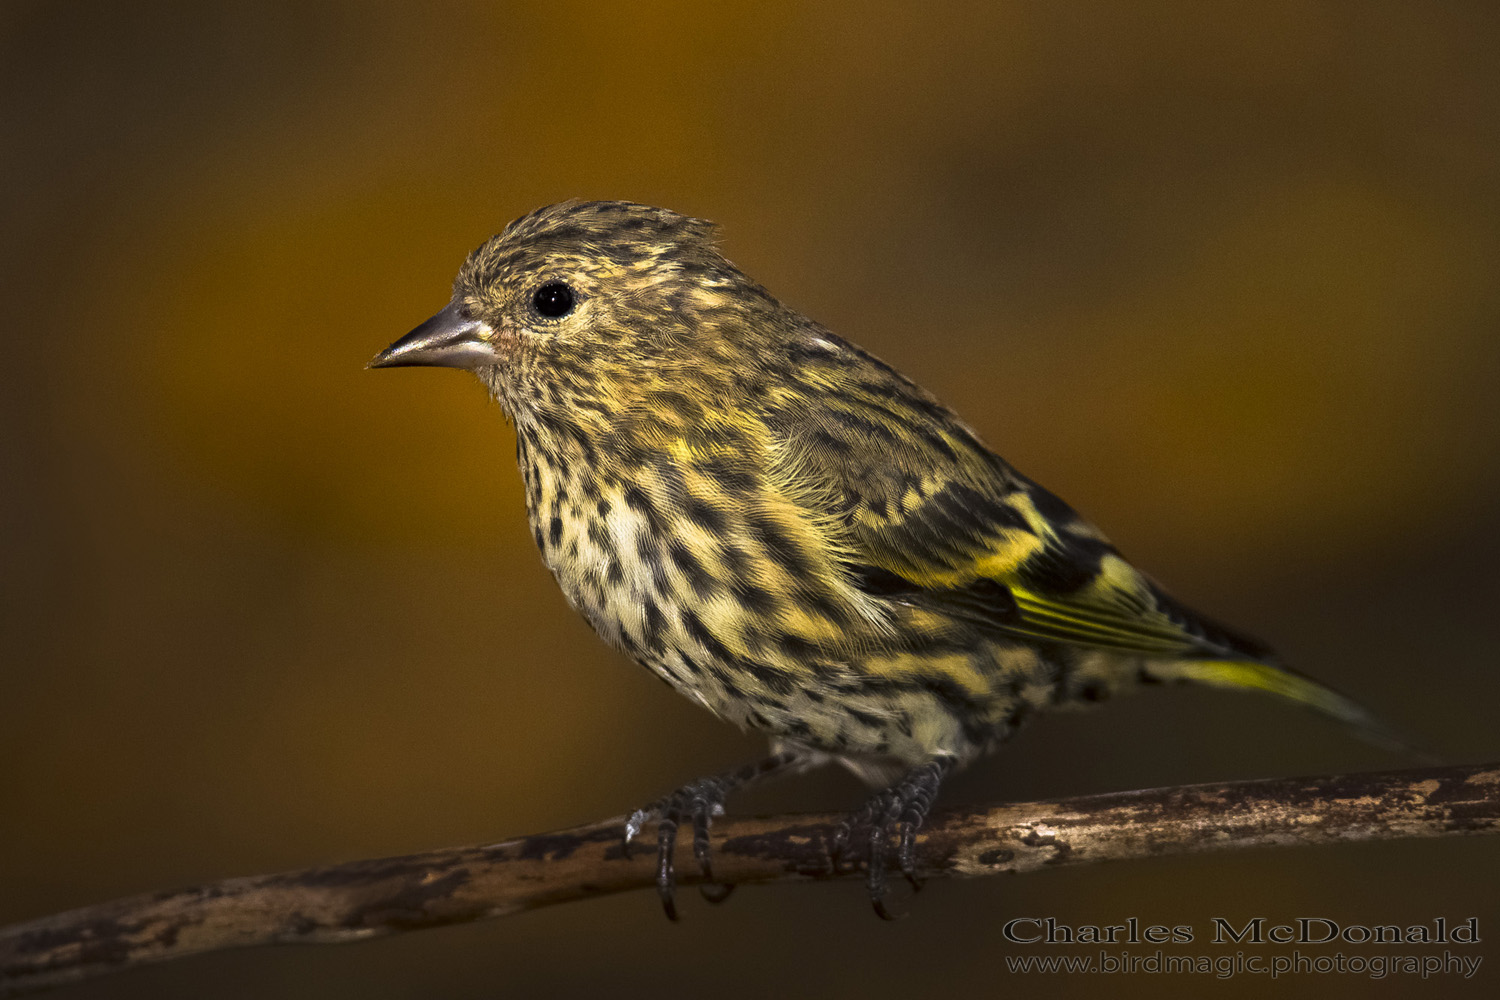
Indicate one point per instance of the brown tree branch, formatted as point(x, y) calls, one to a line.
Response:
point(363, 899)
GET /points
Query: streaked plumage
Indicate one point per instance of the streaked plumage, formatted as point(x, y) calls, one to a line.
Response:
point(787, 530)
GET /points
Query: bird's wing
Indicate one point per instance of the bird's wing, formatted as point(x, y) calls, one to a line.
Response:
point(925, 514)
point(921, 513)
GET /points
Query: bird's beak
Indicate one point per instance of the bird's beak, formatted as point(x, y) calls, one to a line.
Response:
point(450, 339)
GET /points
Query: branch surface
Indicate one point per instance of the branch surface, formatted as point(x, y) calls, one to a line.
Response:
point(364, 899)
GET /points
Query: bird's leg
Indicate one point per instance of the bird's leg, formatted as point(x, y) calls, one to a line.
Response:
point(897, 811)
point(699, 801)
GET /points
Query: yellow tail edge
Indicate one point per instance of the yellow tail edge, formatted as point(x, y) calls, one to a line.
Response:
point(1255, 676)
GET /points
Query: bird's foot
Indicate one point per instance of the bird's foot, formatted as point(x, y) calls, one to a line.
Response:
point(895, 814)
point(698, 802)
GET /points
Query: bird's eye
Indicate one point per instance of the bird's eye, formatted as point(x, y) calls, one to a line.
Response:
point(553, 300)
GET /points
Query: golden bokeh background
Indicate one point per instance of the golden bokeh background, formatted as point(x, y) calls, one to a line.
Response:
point(1225, 276)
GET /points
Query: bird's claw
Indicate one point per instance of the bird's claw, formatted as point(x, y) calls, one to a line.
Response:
point(697, 802)
point(896, 813)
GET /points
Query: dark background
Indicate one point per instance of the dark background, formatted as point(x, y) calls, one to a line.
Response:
point(1222, 275)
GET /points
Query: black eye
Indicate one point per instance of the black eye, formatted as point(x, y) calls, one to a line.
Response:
point(553, 300)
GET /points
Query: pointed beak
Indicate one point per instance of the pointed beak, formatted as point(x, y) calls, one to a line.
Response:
point(450, 339)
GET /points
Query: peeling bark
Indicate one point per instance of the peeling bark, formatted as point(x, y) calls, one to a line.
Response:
point(363, 899)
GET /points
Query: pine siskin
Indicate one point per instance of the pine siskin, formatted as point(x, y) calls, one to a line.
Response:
point(791, 533)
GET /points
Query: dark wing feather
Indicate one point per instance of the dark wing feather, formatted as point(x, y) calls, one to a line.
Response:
point(928, 515)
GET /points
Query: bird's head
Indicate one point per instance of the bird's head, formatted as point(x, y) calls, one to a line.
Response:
point(591, 305)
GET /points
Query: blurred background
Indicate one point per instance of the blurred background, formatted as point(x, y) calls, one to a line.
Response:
point(1223, 276)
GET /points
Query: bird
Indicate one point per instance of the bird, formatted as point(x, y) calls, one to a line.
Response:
point(794, 535)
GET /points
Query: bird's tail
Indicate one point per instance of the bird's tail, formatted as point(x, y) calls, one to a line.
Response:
point(1273, 679)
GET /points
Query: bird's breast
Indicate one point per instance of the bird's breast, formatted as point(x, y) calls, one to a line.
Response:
point(709, 579)
point(610, 546)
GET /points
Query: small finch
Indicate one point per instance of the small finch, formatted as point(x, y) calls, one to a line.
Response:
point(791, 533)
